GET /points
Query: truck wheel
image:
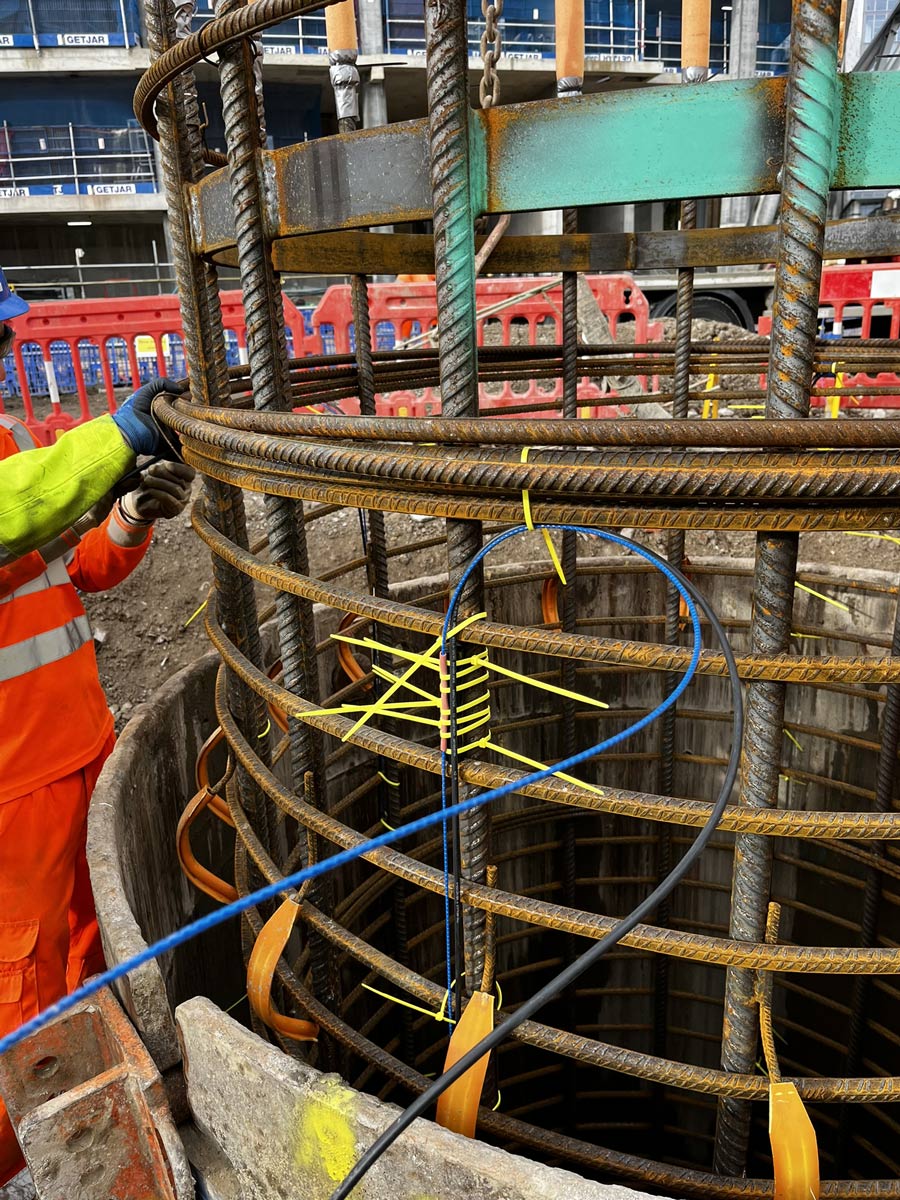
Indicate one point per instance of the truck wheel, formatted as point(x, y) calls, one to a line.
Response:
point(725, 306)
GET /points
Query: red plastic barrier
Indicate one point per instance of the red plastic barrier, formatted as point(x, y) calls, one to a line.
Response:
point(88, 326)
point(868, 293)
point(401, 311)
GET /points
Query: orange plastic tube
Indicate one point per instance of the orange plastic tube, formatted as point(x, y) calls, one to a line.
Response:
point(457, 1108)
point(569, 39)
point(261, 970)
point(695, 18)
point(795, 1152)
point(340, 26)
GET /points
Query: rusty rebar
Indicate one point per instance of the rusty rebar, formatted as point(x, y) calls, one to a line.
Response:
point(810, 132)
point(454, 265)
point(244, 119)
point(181, 156)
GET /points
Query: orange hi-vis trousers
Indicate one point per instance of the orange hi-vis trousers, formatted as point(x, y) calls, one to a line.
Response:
point(49, 940)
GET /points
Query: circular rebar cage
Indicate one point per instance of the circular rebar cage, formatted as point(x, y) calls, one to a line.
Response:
point(650, 1067)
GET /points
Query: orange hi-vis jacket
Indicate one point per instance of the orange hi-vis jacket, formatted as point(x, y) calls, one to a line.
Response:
point(53, 712)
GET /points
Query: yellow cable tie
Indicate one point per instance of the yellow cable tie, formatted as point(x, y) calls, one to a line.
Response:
point(390, 782)
point(819, 596)
point(748, 406)
point(869, 533)
point(531, 762)
point(439, 1015)
point(529, 524)
point(470, 683)
point(497, 1105)
point(392, 828)
point(484, 698)
point(482, 744)
point(390, 677)
point(790, 736)
point(464, 624)
point(546, 687)
point(474, 722)
point(383, 703)
point(266, 730)
point(379, 705)
point(194, 615)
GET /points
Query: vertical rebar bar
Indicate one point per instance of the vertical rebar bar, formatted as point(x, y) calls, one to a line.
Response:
point(695, 68)
point(181, 154)
point(809, 148)
point(454, 263)
point(389, 786)
point(181, 157)
point(885, 787)
point(244, 120)
point(569, 83)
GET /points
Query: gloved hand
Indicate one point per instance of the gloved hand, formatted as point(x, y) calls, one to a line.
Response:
point(164, 492)
point(139, 427)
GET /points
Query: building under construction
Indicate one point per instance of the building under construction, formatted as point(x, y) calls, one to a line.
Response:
point(565, 868)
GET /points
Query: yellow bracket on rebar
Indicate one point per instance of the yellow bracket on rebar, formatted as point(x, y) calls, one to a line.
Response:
point(457, 1108)
point(795, 1151)
point(529, 524)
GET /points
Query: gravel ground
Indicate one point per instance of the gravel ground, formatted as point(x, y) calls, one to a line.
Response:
point(20, 1188)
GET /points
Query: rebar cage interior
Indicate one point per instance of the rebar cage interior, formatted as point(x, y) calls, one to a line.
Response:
point(650, 1069)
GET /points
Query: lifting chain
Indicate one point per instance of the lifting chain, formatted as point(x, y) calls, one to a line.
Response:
point(491, 49)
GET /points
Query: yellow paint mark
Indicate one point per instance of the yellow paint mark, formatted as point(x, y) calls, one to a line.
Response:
point(326, 1142)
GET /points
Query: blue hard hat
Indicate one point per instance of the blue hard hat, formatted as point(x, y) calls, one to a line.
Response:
point(11, 305)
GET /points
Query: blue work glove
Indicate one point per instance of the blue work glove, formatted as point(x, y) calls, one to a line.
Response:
point(140, 428)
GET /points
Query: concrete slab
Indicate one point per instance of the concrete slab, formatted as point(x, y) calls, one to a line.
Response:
point(289, 1131)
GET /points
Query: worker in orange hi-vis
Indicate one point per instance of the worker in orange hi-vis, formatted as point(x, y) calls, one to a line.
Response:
point(57, 733)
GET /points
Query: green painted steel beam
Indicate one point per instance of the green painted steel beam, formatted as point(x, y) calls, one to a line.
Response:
point(655, 143)
point(675, 142)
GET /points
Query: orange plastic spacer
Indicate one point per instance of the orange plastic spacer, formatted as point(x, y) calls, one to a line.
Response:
point(457, 1108)
point(215, 803)
point(550, 600)
point(795, 1151)
point(201, 877)
point(683, 613)
point(264, 958)
point(347, 659)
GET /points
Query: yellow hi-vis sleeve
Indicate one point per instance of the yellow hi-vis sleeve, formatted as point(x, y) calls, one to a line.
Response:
point(43, 491)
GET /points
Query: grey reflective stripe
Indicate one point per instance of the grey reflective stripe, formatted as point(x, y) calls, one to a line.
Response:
point(44, 648)
point(20, 433)
point(54, 575)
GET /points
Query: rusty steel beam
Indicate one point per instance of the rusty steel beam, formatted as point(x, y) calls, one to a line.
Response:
point(380, 177)
point(652, 250)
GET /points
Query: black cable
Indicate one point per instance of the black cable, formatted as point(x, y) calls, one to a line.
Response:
point(571, 973)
